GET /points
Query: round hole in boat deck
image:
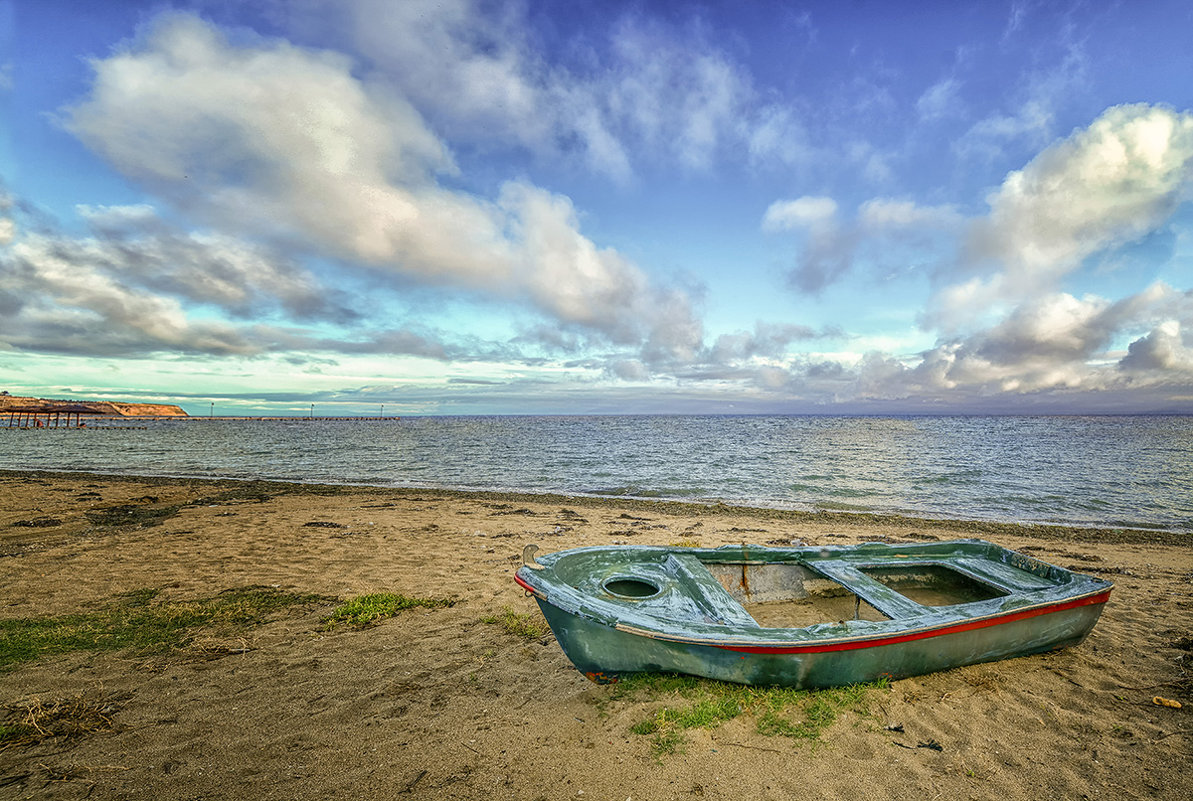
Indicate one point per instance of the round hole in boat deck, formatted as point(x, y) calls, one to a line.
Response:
point(634, 588)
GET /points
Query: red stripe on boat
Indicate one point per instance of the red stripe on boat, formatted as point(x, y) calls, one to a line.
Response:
point(854, 645)
point(527, 587)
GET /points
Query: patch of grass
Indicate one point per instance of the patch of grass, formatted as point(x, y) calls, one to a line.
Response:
point(369, 610)
point(140, 621)
point(525, 626)
point(817, 710)
point(695, 703)
point(666, 740)
point(707, 711)
point(634, 685)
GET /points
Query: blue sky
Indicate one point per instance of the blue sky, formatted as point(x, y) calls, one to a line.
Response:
point(455, 207)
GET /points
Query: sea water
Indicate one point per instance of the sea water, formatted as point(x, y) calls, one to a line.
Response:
point(1104, 471)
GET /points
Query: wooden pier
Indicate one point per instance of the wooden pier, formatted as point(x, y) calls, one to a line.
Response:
point(58, 417)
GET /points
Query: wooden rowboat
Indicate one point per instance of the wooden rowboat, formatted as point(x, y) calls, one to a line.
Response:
point(806, 616)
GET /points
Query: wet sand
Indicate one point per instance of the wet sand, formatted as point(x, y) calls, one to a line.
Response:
point(438, 704)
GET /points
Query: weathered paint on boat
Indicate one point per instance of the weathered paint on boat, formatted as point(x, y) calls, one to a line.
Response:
point(628, 609)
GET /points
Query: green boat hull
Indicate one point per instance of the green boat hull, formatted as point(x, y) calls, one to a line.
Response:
point(634, 609)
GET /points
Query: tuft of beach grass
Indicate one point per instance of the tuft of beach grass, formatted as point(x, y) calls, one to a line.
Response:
point(142, 622)
point(524, 626)
point(696, 703)
point(369, 610)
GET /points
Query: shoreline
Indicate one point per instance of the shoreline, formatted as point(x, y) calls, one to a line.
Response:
point(444, 703)
point(1091, 533)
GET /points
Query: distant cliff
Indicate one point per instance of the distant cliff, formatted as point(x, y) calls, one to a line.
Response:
point(12, 403)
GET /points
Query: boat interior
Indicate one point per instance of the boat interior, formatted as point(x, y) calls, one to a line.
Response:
point(804, 590)
point(794, 596)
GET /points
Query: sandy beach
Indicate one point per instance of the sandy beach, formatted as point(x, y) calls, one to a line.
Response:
point(444, 703)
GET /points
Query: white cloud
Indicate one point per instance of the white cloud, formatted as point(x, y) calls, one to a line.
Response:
point(895, 214)
point(1051, 328)
point(831, 245)
point(939, 100)
point(271, 139)
point(1106, 185)
point(584, 285)
point(644, 93)
point(203, 120)
point(1033, 117)
point(1060, 342)
point(475, 74)
point(777, 135)
point(630, 370)
point(1111, 182)
point(135, 245)
point(690, 101)
point(138, 286)
point(68, 304)
point(1033, 121)
point(1048, 349)
point(767, 341)
point(807, 211)
point(8, 226)
point(1162, 349)
point(1018, 12)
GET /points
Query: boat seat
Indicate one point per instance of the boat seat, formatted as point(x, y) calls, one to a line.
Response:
point(890, 602)
point(708, 593)
point(1003, 576)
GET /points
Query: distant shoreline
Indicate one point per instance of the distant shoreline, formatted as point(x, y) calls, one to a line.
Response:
point(28, 405)
point(253, 418)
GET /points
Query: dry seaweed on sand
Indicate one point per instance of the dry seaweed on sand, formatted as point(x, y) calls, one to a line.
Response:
point(30, 722)
point(132, 515)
